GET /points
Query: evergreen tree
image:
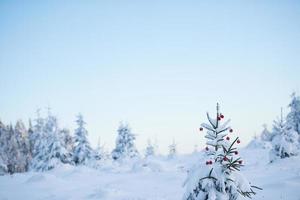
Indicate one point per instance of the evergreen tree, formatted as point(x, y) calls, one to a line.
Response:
point(100, 152)
point(30, 138)
point(12, 151)
point(150, 149)
point(67, 139)
point(172, 150)
point(125, 147)
point(3, 166)
point(82, 152)
point(36, 136)
point(263, 140)
point(219, 178)
point(285, 140)
point(67, 143)
point(3, 146)
point(266, 135)
point(21, 134)
point(51, 151)
point(293, 118)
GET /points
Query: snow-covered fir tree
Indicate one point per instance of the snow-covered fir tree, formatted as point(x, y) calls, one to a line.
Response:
point(101, 152)
point(67, 143)
point(172, 150)
point(219, 177)
point(150, 149)
point(36, 136)
point(82, 152)
point(293, 117)
point(262, 140)
point(3, 166)
point(256, 142)
point(21, 134)
point(51, 151)
point(125, 147)
point(12, 151)
point(285, 140)
point(3, 146)
point(266, 135)
point(14, 148)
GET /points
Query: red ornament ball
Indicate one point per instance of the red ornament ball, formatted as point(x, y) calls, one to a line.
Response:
point(236, 153)
point(225, 158)
point(222, 116)
point(240, 161)
point(208, 162)
point(219, 118)
point(231, 130)
point(206, 148)
point(238, 141)
point(200, 129)
point(227, 138)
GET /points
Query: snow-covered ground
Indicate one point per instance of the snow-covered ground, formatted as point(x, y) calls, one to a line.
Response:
point(158, 178)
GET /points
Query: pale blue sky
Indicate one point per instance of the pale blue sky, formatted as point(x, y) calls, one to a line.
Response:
point(160, 65)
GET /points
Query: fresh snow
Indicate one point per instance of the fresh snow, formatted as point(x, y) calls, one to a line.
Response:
point(154, 178)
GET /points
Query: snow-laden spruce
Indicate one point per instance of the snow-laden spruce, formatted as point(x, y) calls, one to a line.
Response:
point(266, 135)
point(21, 135)
point(150, 149)
point(284, 141)
point(83, 152)
point(263, 140)
point(172, 150)
point(125, 147)
point(220, 177)
point(3, 146)
point(293, 118)
point(14, 148)
point(49, 150)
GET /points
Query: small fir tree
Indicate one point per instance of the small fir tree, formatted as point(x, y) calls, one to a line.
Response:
point(3, 146)
point(12, 151)
point(51, 151)
point(83, 152)
point(21, 134)
point(67, 143)
point(219, 177)
point(285, 140)
point(293, 117)
point(125, 147)
point(99, 153)
point(172, 150)
point(3, 166)
point(36, 136)
point(266, 135)
point(150, 149)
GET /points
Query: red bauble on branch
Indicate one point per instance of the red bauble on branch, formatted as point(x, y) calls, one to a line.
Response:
point(209, 162)
point(230, 130)
point(222, 116)
point(238, 141)
point(206, 148)
point(227, 138)
point(240, 161)
point(200, 129)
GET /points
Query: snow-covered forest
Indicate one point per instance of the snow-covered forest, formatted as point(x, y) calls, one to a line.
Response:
point(42, 160)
